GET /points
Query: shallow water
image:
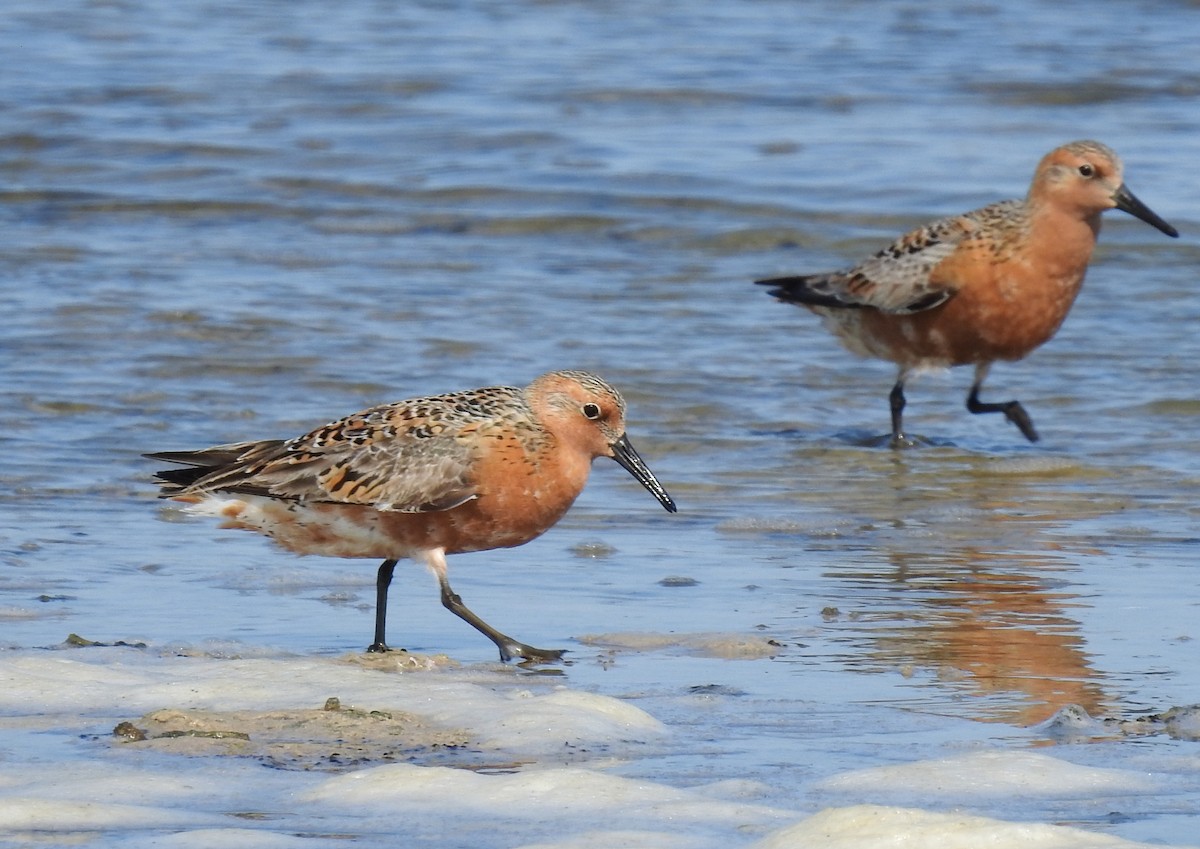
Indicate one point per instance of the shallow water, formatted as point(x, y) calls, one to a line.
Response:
point(231, 221)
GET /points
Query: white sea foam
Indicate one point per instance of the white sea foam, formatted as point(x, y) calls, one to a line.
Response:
point(561, 767)
point(994, 773)
point(873, 827)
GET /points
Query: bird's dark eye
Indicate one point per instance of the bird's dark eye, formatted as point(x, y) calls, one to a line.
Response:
point(1087, 170)
point(591, 411)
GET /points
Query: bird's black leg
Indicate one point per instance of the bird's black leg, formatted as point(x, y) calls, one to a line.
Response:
point(897, 402)
point(509, 648)
point(383, 580)
point(1013, 411)
point(897, 399)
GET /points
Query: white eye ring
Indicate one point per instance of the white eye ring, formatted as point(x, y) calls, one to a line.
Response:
point(591, 411)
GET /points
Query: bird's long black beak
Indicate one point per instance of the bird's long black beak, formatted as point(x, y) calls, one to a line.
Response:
point(629, 459)
point(1127, 202)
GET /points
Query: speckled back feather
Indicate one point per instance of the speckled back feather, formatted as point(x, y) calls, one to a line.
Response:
point(407, 456)
point(899, 278)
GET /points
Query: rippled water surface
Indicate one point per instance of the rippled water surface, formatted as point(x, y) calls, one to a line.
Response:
point(226, 221)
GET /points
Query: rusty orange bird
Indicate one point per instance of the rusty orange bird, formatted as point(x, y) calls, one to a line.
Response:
point(467, 471)
point(991, 284)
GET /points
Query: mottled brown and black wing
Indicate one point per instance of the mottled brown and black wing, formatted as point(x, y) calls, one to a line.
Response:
point(410, 456)
point(899, 279)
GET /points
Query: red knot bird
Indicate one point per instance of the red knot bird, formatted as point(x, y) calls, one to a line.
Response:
point(467, 471)
point(992, 284)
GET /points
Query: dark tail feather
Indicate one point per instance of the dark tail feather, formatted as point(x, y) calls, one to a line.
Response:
point(175, 481)
point(219, 455)
point(220, 467)
point(198, 463)
point(798, 290)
